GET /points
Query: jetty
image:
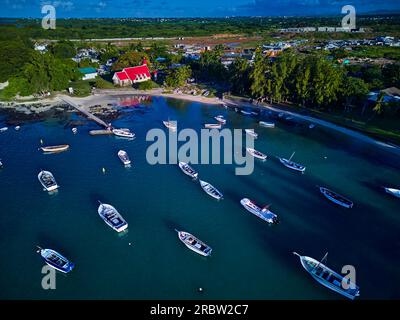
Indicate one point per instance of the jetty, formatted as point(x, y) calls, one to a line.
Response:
point(86, 112)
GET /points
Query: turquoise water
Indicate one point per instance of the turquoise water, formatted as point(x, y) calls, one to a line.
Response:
point(250, 260)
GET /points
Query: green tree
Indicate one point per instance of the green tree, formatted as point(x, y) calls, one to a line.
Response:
point(130, 59)
point(63, 49)
point(239, 76)
point(177, 77)
point(257, 76)
point(353, 89)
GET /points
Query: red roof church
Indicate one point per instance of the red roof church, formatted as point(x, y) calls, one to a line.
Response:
point(131, 75)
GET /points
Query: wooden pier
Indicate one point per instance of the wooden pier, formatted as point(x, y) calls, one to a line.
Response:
point(86, 113)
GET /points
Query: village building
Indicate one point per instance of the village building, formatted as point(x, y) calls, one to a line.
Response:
point(131, 75)
point(88, 73)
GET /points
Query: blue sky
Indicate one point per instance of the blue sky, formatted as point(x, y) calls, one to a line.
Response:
point(190, 8)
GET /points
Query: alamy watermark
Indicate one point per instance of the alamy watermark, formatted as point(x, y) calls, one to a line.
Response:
point(349, 20)
point(49, 280)
point(49, 20)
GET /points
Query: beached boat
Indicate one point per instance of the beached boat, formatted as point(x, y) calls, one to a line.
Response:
point(212, 126)
point(53, 149)
point(336, 198)
point(170, 124)
point(123, 156)
point(211, 190)
point(124, 133)
point(188, 170)
point(393, 191)
point(292, 165)
point(194, 243)
point(267, 124)
point(251, 132)
point(263, 213)
point(56, 260)
point(112, 217)
point(329, 278)
point(74, 130)
point(47, 180)
point(3, 129)
point(220, 119)
point(256, 154)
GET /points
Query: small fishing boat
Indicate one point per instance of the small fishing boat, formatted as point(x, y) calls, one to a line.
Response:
point(292, 165)
point(336, 198)
point(311, 126)
point(74, 130)
point(392, 191)
point(329, 278)
point(17, 128)
point(188, 170)
point(220, 119)
point(112, 217)
point(124, 133)
point(53, 149)
point(56, 260)
point(3, 129)
point(267, 124)
point(170, 125)
point(256, 154)
point(47, 180)
point(246, 113)
point(123, 156)
point(212, 126)
point(251, 132)
point(211, 190)
point(194, 243)
point(263, 213)
point(1, 164)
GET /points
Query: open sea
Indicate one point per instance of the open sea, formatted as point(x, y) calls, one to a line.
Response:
point(250, 259)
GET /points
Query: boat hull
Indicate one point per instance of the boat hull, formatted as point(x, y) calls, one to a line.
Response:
point(266, 215)
point(48, 187)
point(201, 248)
point(188, 170)
point(46, 254)
point(292, 165)
point(112, 217)
point(267, 124)
point(393, 192)
point(336, 198)
point(54, 149)
point(256, 154)
point(211, 190)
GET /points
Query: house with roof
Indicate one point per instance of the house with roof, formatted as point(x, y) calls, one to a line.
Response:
point(88, 73)
point(131, 75)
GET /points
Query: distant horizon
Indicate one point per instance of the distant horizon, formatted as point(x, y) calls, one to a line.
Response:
point(181, 9)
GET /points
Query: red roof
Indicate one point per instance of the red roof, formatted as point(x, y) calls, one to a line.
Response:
point(122, 75)
point(135, 72)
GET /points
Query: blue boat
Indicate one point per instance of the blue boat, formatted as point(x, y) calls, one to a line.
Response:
point(56, 260)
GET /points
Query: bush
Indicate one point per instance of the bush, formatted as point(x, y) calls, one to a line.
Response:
point(146, 85)
point(81, 88)
point(103, 84)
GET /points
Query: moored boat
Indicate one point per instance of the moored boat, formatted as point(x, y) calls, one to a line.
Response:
point(292, 165)
point(17, 128)
point(1, 164)
point(47, 180)
point(170, 124)
point(56, 260)
point(336, 198)
point(74, 130)
point(194, 243)
point(329, 278)
point(251, 132)
point(3, 129)
point(267, 124)
point(124, 133)
point(263, 213)
point(123, 156)
point(246, 113)
point(53, 149)
point(211, 190)
point(311, 126)
point(220, 119)
point(393, 191)
point(212, 125)
point(188, 170)
point(256, 154)
point(112, 217)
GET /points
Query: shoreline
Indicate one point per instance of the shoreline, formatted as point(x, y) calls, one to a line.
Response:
point(106, 96)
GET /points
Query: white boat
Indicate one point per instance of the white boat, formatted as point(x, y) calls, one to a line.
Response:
point(211, 190)
point(212, 126)
point(188, 170)
point(256, 154)
point(292, 165)
point(17, 128)
point(56, 260)
point(3, 129)
point(170, 125)
point(246, 113)
point(194, 243)
point(123, 156)
point(74, 130)
point(220, 119)
point(251, 132)
point(47, 180)
point(336, 198)
point(393, 191)
point(1, 164)
point(311, 126)
point(124, 133)
point(112, 217)
point(267, 124)
point(263, 213)
point(54, 149)
point(329, 278)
